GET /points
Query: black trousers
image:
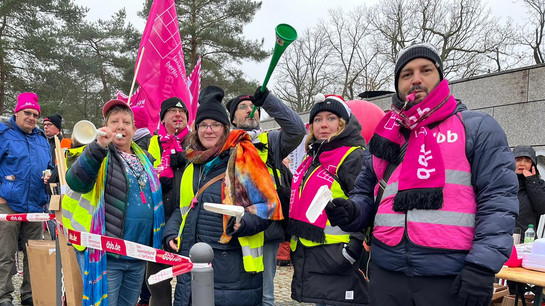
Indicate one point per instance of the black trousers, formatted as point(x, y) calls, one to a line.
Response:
point(390, 288)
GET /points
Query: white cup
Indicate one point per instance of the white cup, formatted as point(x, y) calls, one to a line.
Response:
point(516, 238)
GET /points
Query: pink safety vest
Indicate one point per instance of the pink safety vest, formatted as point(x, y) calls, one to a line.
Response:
point(452, 226)
point(302, 197)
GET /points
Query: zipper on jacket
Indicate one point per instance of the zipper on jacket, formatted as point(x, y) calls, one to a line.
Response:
point(29, 176)
point(407, 240)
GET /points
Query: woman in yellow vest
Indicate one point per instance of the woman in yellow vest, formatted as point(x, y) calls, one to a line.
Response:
point(325, 258)
point(238, 176)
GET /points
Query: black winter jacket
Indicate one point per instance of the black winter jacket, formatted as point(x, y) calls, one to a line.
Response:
point(531, 198)
point(321, 273)
point(233, 285)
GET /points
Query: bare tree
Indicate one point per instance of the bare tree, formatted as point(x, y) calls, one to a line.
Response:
point(534, 37)
point(464, 31)
point(352, 52)
point(303, 70)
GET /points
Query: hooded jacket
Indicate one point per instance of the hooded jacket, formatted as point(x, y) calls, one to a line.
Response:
point(321, 273)
point(531, 196)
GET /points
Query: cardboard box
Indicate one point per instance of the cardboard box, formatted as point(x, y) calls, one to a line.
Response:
point(41, 263)
point(499, 292)
point(73, 284)
point(509, 300)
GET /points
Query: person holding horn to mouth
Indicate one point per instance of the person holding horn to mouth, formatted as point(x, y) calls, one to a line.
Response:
point(114, 191)
point(273, 147)
point(224, 168)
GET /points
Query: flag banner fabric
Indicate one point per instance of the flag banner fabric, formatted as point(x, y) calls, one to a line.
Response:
point(194, 89)
point(162, 72)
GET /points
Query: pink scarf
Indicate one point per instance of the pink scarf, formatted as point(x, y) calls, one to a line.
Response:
point(422, 175)
point(302, 193)
point(171, 144)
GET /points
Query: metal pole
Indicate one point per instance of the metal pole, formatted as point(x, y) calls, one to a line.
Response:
point(202, 274)
point(58, 269)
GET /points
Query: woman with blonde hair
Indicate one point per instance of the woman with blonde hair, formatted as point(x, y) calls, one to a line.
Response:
point(325, 258)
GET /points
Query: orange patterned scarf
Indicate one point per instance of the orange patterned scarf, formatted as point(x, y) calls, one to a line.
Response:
point(248, 182)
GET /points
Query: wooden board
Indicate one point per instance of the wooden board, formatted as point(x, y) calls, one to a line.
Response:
point(522, 275)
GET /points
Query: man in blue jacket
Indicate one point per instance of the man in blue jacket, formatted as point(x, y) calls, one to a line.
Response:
point(440, 187)
point(24, 155)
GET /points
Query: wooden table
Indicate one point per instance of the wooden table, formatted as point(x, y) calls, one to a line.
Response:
point(522, 277)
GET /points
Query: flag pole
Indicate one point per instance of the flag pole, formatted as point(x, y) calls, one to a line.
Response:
point(136, 74)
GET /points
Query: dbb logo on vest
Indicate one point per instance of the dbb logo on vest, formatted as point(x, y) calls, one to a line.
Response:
point(424, 173)
point(450, 137)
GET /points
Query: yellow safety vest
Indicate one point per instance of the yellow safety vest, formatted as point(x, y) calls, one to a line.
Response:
point(155, 150)
point(333, 234)
point(252, 246)
point(78, 209)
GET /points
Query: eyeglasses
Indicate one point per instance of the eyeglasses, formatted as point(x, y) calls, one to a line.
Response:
point(48, 124)
point(214, 126)
point(175, 110)
point(28, 114)
point(244, 107)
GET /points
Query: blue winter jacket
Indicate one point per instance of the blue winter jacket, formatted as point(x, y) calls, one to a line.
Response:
point(23, 158)
point(495, 183)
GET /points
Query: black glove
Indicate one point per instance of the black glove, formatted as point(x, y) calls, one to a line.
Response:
point(177, 160)
point(473, 286)
point(353, 250)
point(342, 212)
point(259, 97)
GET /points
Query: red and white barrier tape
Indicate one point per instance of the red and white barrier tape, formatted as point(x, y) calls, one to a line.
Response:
point(181, 264)
point(30, 217)
point(126, 248)
point(171, 272)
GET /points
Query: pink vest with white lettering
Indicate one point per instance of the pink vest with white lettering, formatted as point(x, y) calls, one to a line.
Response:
point(450, 227)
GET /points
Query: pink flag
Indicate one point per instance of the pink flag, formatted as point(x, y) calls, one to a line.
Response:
point(138, 98)
point(162, 70)
point(194, 89)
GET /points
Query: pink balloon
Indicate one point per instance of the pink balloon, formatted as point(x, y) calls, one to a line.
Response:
point(368, 115)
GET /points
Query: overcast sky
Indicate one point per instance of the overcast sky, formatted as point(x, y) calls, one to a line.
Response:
point(301, 14)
